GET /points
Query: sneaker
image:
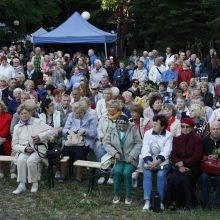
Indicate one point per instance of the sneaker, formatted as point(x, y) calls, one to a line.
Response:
point(110, 181)
point(161, 206)
point(61, 180)
point(116, 201)
point(101, 180)
point(146, 205)
point(2, 175)
point(128, 201)
point(13, 176)
point(34, 187)
point(134, 182)
point(57, 175)
point(21, 188)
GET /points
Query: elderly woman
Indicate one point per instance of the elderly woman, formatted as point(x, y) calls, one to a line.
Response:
point(155, 107)
point(29, 87)
point(13, 104)
point(27, 133)
point(84, 124)
point(174, 125)
point(124, 144)
point(114, 111)
point(156, 150)
point(101, 104)
point(201, 127)
point(186, 157)
point(5, 137)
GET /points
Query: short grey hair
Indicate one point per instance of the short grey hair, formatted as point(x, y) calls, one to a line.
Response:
point(17, 90)
point(97, 61)
point(79, 107)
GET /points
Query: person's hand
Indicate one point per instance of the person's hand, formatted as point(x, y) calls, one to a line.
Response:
point(29, 150)
point(130, 159)
point(81, 132)
point(183, 169)
point(117, 156)
point(179, 164)
point(212, 156)
point(155, 165)
point(36, 138)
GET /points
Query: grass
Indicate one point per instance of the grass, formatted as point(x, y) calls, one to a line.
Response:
point(69, 201)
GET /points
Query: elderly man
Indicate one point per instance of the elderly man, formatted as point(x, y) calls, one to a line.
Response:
point(210, 143)
point(144, 57)
point(92, 57)
point(7, 94)
point(17, 65)
point(140, 73)
point(97, 73)
point(32, 74)
point(37, 60)
point(6, 69)
point(64, 108)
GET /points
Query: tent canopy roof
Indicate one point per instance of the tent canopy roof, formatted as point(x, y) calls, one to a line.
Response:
point(75, 30)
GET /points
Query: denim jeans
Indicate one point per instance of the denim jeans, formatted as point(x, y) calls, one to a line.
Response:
point(99, 152)
point(161, 181)
point(205, 184)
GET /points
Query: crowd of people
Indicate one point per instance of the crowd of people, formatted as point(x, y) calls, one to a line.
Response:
point(157, 112)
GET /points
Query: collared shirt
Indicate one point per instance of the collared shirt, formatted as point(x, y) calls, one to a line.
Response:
point(30, 73)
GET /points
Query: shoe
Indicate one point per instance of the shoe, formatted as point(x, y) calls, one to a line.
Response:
point(128, 201)
point(21, 188)
point(34, 187)
point(57, 175)
point(116, 201)
point(172, 207)
point(13, 176)
point(110, 181)
point(161, 206)
point(134, 182)
point(147, 205)
point(101, 180)
point(2, 175)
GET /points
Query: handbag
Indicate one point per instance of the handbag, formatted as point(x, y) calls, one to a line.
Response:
point(74, 139)
point(53, 153)
point(106, 162)
point(211, 166)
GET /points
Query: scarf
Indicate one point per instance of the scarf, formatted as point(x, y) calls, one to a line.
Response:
point(155, 112)
point(170, 122)
point(25, 122)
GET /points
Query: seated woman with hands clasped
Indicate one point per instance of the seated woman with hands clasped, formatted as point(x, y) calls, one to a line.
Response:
point(27, 133)
point(124, 144)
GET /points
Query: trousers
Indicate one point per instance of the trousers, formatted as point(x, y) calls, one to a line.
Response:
point(124, 169)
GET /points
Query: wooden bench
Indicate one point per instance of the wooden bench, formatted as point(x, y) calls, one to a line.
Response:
point(93, 165)
point(50, 172)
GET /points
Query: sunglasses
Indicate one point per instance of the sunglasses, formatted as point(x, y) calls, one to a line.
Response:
point(185, 126)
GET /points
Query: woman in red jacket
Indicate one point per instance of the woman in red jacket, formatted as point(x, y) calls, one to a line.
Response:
point(5, 137)
point(185, 74)
point(186, 157)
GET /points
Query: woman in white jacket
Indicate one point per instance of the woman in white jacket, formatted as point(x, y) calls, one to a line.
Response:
point(27, 132)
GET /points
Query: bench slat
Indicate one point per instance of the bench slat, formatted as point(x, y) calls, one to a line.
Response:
point(84, 163)
point(6, 158)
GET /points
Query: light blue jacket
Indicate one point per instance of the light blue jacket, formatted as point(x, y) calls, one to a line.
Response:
point(88, 122)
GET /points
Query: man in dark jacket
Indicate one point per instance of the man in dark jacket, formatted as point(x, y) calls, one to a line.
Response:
point(121, 77)
point(210, 144)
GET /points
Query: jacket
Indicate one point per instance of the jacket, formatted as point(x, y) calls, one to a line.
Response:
point(56, 118)
point(22, 135)
point(157, 146)
point(187, 148)
point(131, 146)
point(88, 122)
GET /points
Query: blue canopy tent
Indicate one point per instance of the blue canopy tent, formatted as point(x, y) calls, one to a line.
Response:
point(76, 30)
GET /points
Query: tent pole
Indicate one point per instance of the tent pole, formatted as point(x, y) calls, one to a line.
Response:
point(105, 51)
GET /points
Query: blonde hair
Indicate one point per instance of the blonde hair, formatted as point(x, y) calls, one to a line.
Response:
point(114, 104)
point(198, 111)
point(3, 106)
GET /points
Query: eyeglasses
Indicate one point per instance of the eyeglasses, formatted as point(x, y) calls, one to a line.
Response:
point(136, 83)
point(94, 88)
point(185, 126)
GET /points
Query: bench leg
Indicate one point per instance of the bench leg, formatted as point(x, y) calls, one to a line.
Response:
point(91, 180)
